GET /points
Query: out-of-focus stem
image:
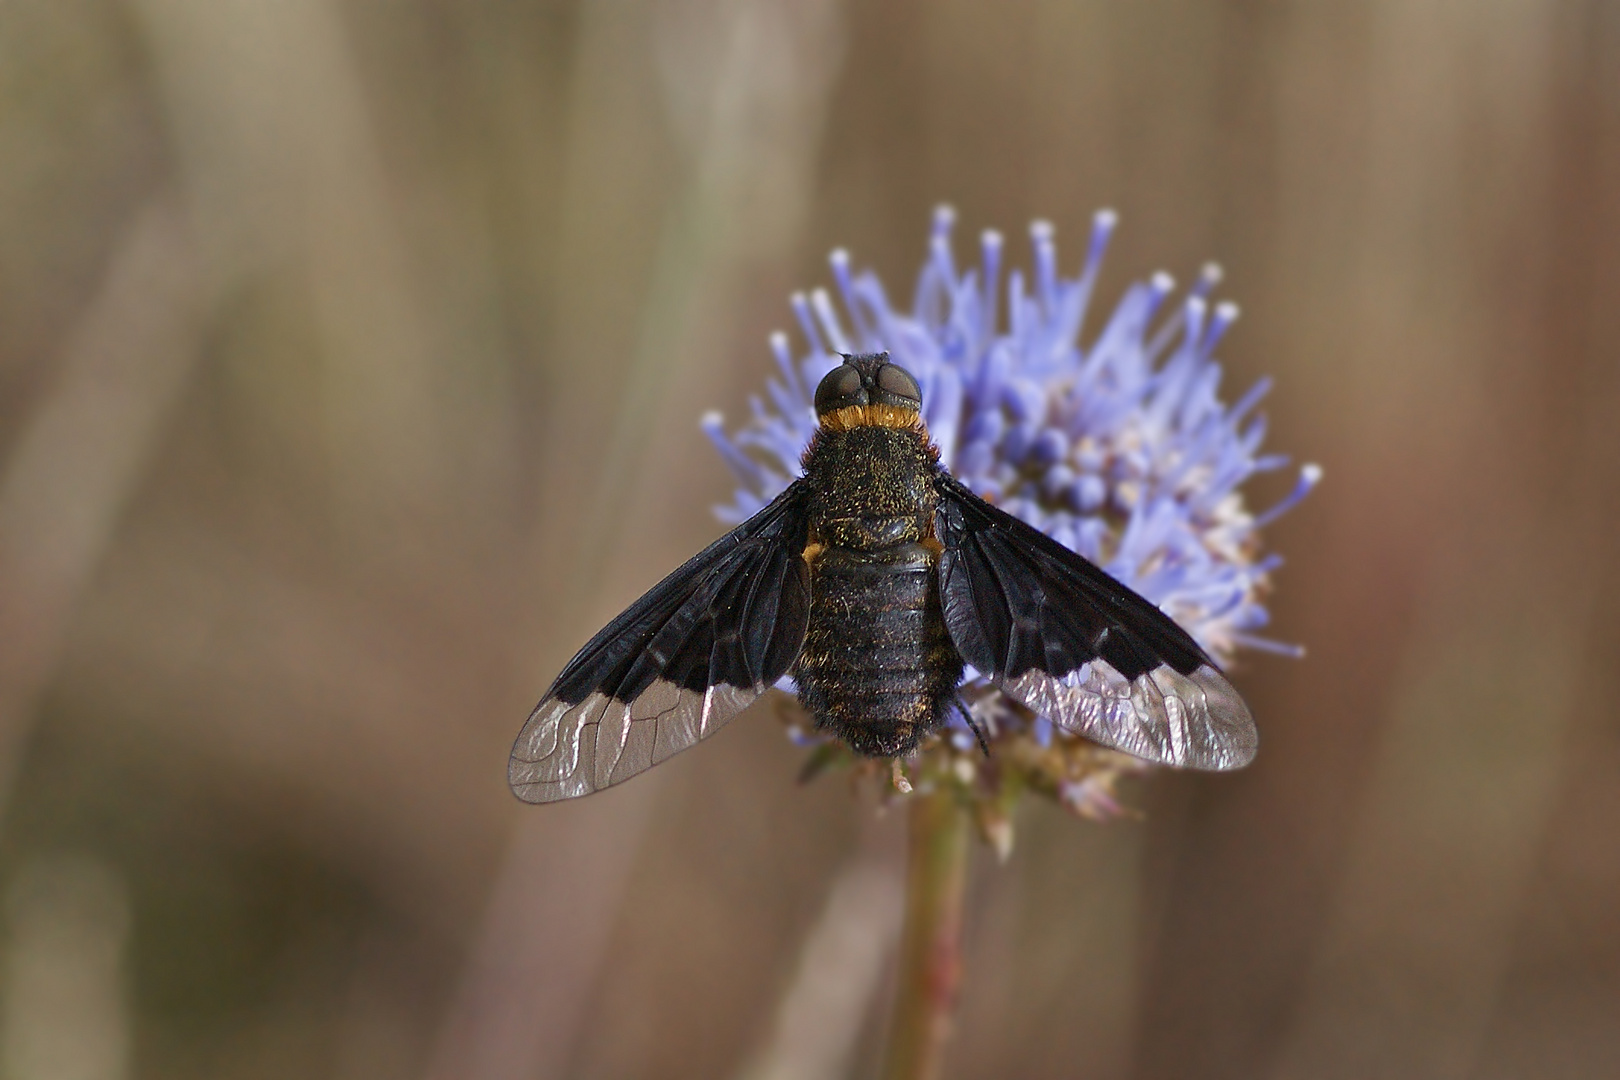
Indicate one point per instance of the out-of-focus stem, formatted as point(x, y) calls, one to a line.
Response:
point(78, 459)
point(930, 965)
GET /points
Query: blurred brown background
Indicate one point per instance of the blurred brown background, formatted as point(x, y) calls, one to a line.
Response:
point(351, 355)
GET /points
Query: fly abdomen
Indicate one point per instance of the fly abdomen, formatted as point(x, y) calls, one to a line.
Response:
point(878, 668)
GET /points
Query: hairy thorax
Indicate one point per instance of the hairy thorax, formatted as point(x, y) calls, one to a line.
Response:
point(872, 468)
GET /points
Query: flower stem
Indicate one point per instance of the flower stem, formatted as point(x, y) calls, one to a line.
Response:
point(930, 965)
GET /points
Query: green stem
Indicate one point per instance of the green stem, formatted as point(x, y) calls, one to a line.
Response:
point(930, 965)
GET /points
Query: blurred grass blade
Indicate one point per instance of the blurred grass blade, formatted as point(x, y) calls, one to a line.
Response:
point(84, 451)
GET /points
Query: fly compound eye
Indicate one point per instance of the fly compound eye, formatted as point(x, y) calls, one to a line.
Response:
point(896, 382)
point(841, 388)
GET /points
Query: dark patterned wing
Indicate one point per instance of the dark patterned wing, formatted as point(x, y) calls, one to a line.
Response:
point(679, 663)
point(1058, 634)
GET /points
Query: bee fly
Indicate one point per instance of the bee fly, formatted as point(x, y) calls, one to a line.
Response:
point(871, 580)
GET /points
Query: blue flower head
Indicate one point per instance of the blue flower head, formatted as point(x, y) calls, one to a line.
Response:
point(1118, 446)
